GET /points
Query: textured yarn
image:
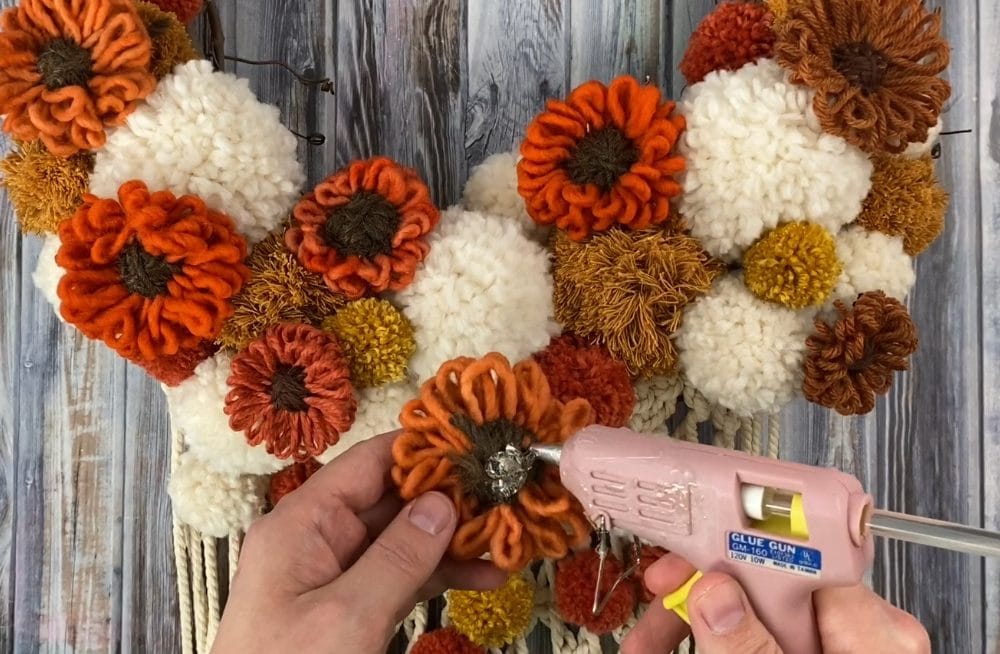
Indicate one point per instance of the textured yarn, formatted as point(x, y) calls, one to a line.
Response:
point(378, 413)
point(731, 36)
point(214, 503)
point(493, 618)
point(185, 10)
point(871, 261)
point(794, 265)
point(576, 578)
point(172, 44)
point(376, 338)
point(45, 189)
point(492, 189)
point(445, 641)
point(287, 480)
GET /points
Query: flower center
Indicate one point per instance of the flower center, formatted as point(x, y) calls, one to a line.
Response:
point(288, 388)
point(63, 62)
point(499, 465)
point(364, 227)
point(867, 357)
point(601, 158)
point(862, 64)
point(142, 273)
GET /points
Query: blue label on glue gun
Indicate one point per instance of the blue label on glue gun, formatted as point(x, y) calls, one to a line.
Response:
point(776, 554)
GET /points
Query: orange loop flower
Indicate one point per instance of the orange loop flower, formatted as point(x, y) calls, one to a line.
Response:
point(471, 413)
point(291, 391)
point(363, 227)
point(68, 68)
point(604, 156)
point(151, 274)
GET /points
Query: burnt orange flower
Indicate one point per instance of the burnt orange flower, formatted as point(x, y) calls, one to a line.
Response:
point(290, 390)
point(602, 157)
point(68, 68)
point(467, 436)
point(874, 66)
point(150, 274)
point(363, 227)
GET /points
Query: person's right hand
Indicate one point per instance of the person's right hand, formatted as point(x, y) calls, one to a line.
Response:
point(850, 620)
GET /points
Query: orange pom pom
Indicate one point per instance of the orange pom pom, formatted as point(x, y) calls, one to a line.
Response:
point(575, 579)
point(445, 641)
point(285, 481)
point(185, 10)
point(174, 369)
point(733, 35)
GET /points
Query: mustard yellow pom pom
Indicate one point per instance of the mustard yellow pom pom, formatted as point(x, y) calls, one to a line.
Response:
point(171, 43)
point(45, 189)
point(794, 264)
point(377, 340)
point(493, 618)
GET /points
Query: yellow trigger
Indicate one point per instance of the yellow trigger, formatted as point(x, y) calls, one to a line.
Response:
point(677, 600)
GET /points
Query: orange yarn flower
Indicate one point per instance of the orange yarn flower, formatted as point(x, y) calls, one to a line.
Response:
point(150, 274)
point(472, 412)
point(70, 67)
point(363, 227)
point(291, 390)
point(604, 156)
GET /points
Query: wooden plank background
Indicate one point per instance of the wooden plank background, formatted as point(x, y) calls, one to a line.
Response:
point(85, 561)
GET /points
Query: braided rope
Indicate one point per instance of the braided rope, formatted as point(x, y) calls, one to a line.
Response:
point(212, 583)
point(199, 591)
point(755, 434)
point(773, 435)
point(182, 569)
point(234, 555)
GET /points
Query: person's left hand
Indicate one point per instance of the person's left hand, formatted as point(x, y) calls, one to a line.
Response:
point(339, 563)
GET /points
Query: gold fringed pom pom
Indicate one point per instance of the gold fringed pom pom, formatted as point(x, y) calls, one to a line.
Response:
point(280, 290)
point(377, 339)
point(628, 290)
point(794, 265)
point(45, 189)
point(172, 44)
point(905, 200)
point(493, 618)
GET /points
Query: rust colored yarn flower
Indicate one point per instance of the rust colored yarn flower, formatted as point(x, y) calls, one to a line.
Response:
point(853, 360)
point(874, 66)
point(363, 227)
point(734, 34)
point(151, 274)
point(575, 369)
point(467, 435)
point(604, 156)
point(290, 390)
point(574, 593)
point(69, 68)
point(288, 479)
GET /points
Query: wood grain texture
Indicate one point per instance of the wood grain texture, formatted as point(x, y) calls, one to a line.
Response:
point(608, 39)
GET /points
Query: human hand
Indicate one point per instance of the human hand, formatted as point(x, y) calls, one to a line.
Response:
point(339, 563)
point(850, 620)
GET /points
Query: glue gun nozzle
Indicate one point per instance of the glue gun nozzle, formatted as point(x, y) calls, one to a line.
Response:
point(547, 453)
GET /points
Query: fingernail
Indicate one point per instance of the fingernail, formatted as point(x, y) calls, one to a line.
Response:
point(722, 607)
point(431, 513)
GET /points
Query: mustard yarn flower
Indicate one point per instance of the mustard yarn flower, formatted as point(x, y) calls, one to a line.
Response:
point(44, 188)
point(493, 618)
point(377, 339)
point(794, 265)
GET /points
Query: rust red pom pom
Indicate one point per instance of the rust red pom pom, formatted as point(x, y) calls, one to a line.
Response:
point(574, 589)
point(733, 35)
point(288, 479)
point(445, 641)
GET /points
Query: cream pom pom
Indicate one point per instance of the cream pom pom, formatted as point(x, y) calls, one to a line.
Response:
point(485, 287)
point(872, 261)
point(919, 150)
point(492, 189)
point(742, 353)
point(756, 157)
point(655, 402)
point(48, 273)
point(214, 503)
point(378, 413)
point(196, 410)
point(205, 133)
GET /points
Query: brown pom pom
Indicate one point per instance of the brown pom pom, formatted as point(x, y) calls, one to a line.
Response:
point(733, 35)
point(853, 360)
point(171, 42)
point(905, 200)
point(445, 641)
point(285, 481)
point(574, 590)
point(575, 369)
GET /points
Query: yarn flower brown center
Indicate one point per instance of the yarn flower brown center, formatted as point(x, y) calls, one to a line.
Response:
point(488, 440)
point(288, 388)
point(601, 158)
point(862, 64)
point(142, 273)
point(364, 227)
point(64, 62)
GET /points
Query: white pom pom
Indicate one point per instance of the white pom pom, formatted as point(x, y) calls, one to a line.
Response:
point(197, 411)
point(742, 353)
point(872, 261)
point(918, 150)
point(485, 287)
point(48, 273)
point(492, 189)
point(378, 413)
point(205, 133)
point(214, 503)
point(756, 158)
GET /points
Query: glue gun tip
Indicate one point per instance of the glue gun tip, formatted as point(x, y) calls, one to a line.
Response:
point(547, 453)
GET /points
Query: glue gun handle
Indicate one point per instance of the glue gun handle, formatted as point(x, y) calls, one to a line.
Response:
point(787, 612)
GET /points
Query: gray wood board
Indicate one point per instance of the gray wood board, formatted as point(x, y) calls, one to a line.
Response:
point(85, 545)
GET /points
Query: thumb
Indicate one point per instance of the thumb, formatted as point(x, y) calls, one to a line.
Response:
point(388, 576)
point(722, 620)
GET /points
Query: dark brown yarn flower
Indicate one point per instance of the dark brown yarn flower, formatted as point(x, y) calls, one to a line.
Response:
point(874, 66)
point(291, 390)
point(853, 360)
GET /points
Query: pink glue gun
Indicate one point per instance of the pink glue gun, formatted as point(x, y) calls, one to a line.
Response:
point(781, 529)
